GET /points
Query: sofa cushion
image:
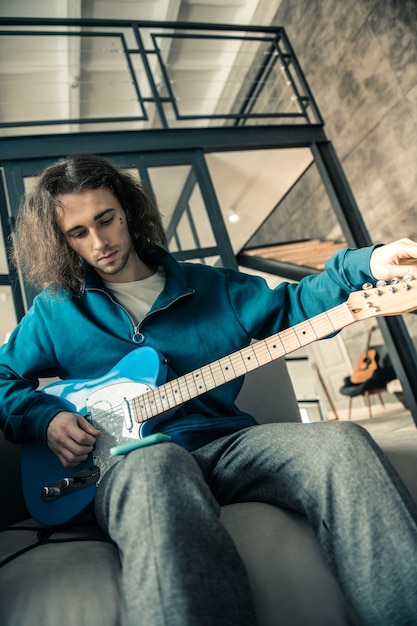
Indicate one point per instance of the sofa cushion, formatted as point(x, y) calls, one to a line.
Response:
point(72, 578)
point(290, 579)
point(401, 449)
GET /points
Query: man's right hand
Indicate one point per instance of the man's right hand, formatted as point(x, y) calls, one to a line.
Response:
point(71, 437)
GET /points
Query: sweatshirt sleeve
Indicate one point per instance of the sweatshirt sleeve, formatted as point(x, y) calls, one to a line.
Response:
point(263, 311)
point(25, 411)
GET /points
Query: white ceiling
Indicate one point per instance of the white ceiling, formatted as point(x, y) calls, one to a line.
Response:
point(71, 77)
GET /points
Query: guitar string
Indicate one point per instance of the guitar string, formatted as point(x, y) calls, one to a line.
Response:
point(173, 393)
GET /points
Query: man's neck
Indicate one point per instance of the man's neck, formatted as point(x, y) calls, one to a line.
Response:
point(134, 270)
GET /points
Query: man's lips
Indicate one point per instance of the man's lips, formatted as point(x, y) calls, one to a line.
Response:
point(106, 258)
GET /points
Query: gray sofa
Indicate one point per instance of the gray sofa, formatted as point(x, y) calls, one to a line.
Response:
point(71, 577)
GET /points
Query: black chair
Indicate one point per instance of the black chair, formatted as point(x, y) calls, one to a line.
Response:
point(374, 385)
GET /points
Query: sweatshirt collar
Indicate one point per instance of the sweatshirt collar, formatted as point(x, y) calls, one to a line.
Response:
point(176, 280)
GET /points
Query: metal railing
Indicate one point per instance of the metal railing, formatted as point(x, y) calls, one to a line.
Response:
point(69, 75)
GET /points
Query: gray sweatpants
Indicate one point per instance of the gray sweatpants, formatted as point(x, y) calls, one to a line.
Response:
point(161, 505)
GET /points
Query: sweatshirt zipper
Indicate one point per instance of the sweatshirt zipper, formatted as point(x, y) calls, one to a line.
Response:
point(137, 336)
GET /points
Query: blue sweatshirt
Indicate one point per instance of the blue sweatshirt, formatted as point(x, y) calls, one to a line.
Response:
point(202, 314)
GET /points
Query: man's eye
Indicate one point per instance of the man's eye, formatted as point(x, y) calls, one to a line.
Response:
point(79, 235)
point(108, 221)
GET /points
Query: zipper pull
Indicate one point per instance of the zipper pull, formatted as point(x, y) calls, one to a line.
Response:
point(138, 337)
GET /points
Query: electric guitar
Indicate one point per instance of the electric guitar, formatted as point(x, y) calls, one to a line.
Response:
point(132, 399)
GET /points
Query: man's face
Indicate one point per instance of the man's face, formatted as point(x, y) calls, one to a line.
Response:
point(95, 226)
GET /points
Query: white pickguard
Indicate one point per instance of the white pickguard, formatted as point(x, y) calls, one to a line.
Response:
point(110, 414)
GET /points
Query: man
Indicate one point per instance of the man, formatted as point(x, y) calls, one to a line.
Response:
point(91, 233)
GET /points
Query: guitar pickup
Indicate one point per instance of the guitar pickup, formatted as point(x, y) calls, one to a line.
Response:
point(69, 484)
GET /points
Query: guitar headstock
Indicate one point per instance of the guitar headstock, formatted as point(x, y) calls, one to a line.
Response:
point(394, 298)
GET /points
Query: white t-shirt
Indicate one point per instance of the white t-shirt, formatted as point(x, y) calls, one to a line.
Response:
point(138, 296)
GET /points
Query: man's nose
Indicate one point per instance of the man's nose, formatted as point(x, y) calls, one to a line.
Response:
point(99, 241)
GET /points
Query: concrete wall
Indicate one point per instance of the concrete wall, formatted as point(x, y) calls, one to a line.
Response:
point(360, 60)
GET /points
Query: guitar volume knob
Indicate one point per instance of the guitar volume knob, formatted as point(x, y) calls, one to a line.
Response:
point(49, 493)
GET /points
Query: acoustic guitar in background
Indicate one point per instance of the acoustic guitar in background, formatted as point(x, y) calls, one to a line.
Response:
point(366, 363)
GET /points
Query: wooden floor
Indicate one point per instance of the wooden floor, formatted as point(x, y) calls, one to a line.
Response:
point(391, 418)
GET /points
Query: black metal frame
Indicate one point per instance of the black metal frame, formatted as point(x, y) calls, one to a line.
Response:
point(46, 33)
point(279, 49)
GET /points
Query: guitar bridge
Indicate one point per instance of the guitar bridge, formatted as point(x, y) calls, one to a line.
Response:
point(70, 484)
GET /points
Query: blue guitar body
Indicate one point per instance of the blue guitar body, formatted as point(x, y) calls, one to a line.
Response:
point(55, 495)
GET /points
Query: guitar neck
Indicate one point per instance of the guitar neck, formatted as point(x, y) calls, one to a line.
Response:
point(174, 393)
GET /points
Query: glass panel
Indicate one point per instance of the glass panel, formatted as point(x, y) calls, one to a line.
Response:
point(250, 184)
point(7, 313)
point(304, 213)
point(182, 207)
point(3, 260)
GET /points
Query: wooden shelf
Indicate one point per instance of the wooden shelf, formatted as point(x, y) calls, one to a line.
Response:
point(310, 253)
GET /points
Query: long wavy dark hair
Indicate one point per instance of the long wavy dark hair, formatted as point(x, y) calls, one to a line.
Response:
point(40, 249)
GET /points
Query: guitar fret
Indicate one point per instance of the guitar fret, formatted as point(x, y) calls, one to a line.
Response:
point(140, 408)
point(305, 333)
point(249, 359)
point(290, 340)
point(219, 371)
point(262, 352)
point(237, 364)
point(147, 403)
point(323, 326)
point(170, 396)
point(193, 384)
point(161, 399)
point(194, 381)
point(161, 403)
point(174, 392)
point(339, 317)
point(275, 346)
point(180, 390)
